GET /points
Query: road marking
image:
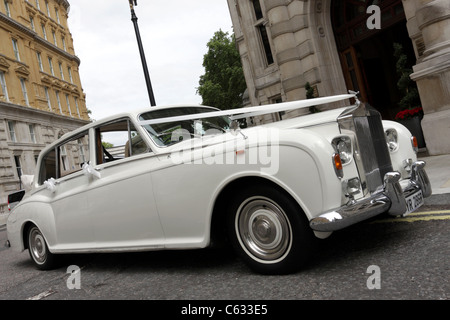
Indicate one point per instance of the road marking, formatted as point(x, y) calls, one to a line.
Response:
point(440, 212)
point(42, 295)
point(419, 216)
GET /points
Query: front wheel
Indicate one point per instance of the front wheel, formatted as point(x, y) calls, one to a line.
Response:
point(38, 249)
point(269, 230)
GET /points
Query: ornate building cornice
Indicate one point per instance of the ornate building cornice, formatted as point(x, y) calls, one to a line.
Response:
point(63, 3)
point(30, 33)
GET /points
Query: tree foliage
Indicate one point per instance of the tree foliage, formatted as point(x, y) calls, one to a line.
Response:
point(406, 86)
point(223, 84)
point(310, 95)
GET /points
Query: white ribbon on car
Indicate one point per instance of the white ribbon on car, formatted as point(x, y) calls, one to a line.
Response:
point(88, 170)
point(246, 112)
point(27, 182)
point(50, 184)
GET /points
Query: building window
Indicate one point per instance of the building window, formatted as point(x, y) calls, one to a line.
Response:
point(32, 133)
point(24, 91)
point(63, 40)
point(44, 33)
point(32, 23)
point(3, 86)
point(262, 31)
point(54, 38)
point(18, 166)
point(58, 101)
point(82, 146)
point(39, 58)
point(61, 71)
point(12, 131)
point(257, 9)
point(266, 44)
point(68, 104)
point(64, 162)
point(69, 70)
point(37, 5)
point(16, 49)
point(47, 96)
point(48, 9)
point(50, 63)
point(8, 12)
point(76, 105)
point(57, 16)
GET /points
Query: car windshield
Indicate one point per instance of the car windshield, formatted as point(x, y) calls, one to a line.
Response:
point(169, 133)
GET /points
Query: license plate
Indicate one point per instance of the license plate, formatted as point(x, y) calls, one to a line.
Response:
point(414, 201)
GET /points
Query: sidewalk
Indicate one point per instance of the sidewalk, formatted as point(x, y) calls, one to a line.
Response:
point(437, 168)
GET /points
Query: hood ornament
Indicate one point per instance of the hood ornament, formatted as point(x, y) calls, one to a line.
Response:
point(356, 94)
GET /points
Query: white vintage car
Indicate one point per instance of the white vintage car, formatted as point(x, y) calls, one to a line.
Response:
point(184, 177)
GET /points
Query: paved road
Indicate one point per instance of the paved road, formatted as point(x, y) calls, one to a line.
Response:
point(380, 259)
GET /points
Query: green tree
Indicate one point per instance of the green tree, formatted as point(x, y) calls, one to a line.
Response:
point(310, 95)
point(223, 84)
point(107, 145)
point(406, 86)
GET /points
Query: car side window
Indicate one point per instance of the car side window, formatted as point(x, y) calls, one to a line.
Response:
point(48, 167)
point(66, 158)
point(118, 140)
point(73, 154)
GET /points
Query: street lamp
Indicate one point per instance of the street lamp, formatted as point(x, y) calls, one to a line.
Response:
point(141, 51)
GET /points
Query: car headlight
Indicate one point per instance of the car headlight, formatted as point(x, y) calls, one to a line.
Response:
point(343, 146)
point(392, 139)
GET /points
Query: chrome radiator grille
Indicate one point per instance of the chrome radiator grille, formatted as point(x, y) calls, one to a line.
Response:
point(373, 159)
point(373, 150)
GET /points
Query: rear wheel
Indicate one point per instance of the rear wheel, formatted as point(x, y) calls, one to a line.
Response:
point(38, 249)
point(269, 230)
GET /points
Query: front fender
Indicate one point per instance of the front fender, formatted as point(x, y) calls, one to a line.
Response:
point(306, 162)
point(404, 151)
point(300, 162)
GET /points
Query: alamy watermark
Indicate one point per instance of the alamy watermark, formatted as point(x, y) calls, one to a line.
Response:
point(374, 21)
point(74, 280)
point(260, 149)
point(374, 280)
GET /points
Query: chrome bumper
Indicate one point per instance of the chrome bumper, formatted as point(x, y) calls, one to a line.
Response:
point(391, 199)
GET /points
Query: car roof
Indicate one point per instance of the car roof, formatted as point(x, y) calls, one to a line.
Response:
point(130, 114)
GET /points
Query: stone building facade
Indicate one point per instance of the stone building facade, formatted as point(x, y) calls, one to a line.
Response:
point(41, 96)
point(335, 46)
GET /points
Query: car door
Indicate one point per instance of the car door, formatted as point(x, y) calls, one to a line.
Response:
point(63, 186)
point(120, 198)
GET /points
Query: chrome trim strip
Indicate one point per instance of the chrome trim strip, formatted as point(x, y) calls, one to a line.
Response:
point(349, 215)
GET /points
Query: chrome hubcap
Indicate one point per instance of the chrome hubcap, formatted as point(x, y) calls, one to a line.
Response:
point(37, 246)
point(263, 229)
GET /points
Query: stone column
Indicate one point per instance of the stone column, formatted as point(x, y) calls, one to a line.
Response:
point(287, 19)
point(432, 73)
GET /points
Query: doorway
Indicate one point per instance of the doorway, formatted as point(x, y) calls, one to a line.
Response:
point(367, 55)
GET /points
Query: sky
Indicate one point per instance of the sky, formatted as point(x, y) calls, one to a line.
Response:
point(174, 35)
